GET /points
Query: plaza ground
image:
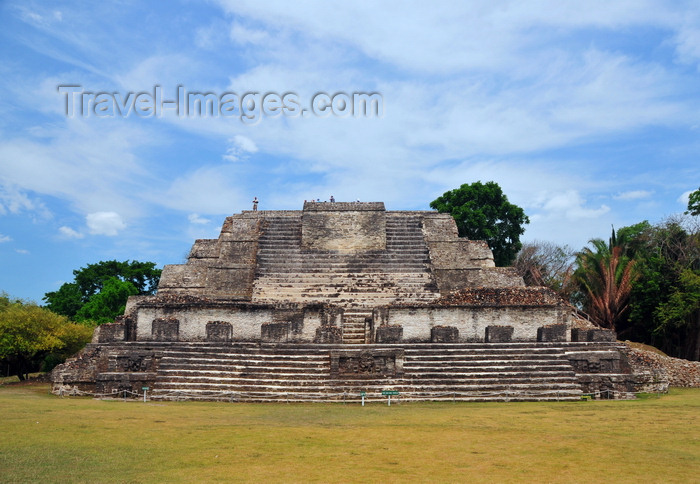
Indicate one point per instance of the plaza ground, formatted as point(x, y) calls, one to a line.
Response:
point(52, 439)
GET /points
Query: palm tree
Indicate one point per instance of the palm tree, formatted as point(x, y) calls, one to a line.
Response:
point(606, 275)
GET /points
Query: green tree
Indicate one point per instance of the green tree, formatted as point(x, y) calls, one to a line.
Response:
point(482, 212)
point(665, 301)
point(29, 333)
point(694, 203)
point(107, 304)
point(89, 281)
point(66, 301)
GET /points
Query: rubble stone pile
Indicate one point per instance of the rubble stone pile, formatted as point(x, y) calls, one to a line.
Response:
point(681, 373)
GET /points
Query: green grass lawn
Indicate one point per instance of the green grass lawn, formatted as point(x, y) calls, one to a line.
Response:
point(44, 438)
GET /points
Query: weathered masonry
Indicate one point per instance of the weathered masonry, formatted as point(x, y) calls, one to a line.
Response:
point(346, 297)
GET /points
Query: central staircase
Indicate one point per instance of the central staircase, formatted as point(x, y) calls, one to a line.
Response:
point(358, 280)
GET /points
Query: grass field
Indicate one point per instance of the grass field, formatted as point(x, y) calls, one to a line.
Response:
point(44, 438)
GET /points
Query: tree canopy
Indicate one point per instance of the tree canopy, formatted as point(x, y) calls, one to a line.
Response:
point(109, 303)
point(665, 299)
point(694, 203)
point(644, 282)
point(30, 335)
point(83, 298)
point(482, 212)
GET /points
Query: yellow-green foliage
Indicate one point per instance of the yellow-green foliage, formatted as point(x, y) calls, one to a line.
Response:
point(27, 330)
point(28, 333)
point(48, 439)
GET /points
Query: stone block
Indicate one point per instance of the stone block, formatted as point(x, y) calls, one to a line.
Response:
point(439, 226)
point(499, 334)
point(389, 334)
point(219, 331)
point(275, 332)
point(595, 361)
point(343, 227)
point(460, 254)
point(370, 363)
point(129, 326)
point(240, 251)
point(451, 280)
point(235, 282)
point(552, 333)
point(601, 335)
point(204, 249)
point(444, 334)
point(111, 332)
point(294, 316)
point(579, 335)
point(165, 329)
point(328, 335)
point(132, 362)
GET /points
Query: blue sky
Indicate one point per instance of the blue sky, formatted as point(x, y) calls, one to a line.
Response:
point(586, 113)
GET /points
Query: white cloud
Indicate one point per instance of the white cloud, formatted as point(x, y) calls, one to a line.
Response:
point(91, 165)
point(241, 146)
point(196, 219)
point(477, 35)
point(22, 251)
point(105, 223)
point(633, 195)
point(571, 204)
point(244, 35)
point(208, 190)
point(14, 200)
point(685, 196)
point(5, 238)
point(69, 233)
point(165, 70)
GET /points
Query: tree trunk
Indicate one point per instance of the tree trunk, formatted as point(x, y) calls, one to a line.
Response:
point(696, 353)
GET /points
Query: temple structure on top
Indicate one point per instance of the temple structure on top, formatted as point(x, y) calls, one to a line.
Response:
point(346, 297)
point(339, 272)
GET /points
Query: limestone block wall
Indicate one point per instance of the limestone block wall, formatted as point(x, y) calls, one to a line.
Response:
point(343, 226)
point(459, 263)
point(471, 321)
point(460, 254)
point(193, 321)
point(223, 267)
point(246, 320)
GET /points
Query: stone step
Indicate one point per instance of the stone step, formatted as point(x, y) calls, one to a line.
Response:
point(393, 257)
point(364, 276)
point(350, 272)
point(335, 289)
point(486, 392)
point(350, 385)
point(384, 287)
point(379, 263)
point(346, 278)
point(253, 383)
point(296, 348)
point(454, 375)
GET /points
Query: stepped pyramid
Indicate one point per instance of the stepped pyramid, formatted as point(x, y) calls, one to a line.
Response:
point(342, 298)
